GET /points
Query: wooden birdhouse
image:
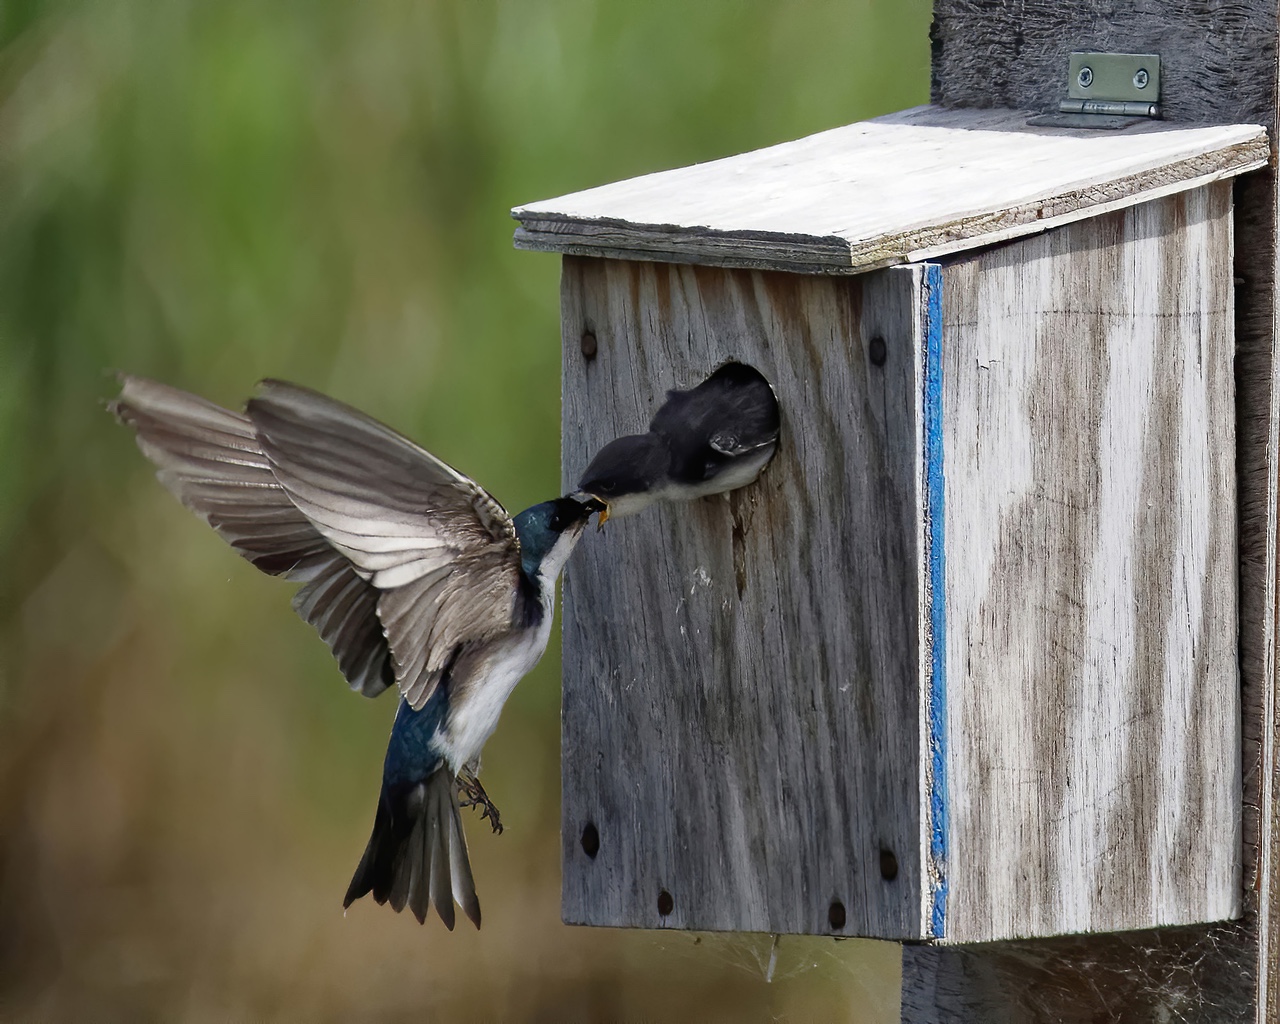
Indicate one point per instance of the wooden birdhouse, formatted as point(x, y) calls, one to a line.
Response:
point(962, 665)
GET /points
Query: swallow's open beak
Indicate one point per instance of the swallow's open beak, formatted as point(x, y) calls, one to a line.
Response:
point(594, 504)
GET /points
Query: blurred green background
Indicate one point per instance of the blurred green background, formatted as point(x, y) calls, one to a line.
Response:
point(213, 193)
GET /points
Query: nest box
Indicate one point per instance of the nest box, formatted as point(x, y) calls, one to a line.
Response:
point(962, 664)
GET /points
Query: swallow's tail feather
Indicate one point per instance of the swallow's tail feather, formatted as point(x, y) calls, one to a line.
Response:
point(417, 855)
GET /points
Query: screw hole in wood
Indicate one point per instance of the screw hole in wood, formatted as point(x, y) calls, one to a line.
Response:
point(836, 916)
point(588, 344)
point(665, 903)
point(878, 351)
point(590, 840)
point(888, 865)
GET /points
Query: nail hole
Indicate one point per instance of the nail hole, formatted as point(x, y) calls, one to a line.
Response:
point(590, 841)
point(888, 865)
point(835, 915)
point(589, 346)
point(878, 351)
point(665, 903)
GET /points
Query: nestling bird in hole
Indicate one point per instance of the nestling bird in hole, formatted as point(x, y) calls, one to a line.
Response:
point(412, 573)
point(710, 439)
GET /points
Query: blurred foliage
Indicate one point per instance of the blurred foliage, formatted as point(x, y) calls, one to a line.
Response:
point(213, 193)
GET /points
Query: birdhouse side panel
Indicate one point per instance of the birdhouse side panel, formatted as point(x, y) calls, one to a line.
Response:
point(740, 720)
point(1092, 679)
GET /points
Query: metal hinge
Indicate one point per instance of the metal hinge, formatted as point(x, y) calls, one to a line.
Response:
point(1107, 90)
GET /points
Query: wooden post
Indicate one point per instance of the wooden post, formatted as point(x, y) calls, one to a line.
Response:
point(1218, 65)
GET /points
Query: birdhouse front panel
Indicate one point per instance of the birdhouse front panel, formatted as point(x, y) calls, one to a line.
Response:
point(741, 709)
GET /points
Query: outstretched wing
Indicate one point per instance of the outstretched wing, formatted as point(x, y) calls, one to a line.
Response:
point(438, 546)
point(210, 459)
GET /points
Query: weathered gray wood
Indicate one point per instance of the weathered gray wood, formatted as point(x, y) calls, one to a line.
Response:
point(757, 757)
point(1216, 59)
point(1219, 64)
point(910, 186)
point(1143, 977)
point(1091, 773)
point(1093, 751)
point(1147, 652)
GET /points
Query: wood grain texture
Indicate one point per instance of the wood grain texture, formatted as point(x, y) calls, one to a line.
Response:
point(910, 186)
point(1093, 751)
point(1214, 57)
point(1145, 977)
point(741, 673)
point(1219, 64)
point(1258, 464)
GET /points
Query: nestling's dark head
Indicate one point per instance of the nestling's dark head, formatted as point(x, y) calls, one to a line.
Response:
point(626, 473)
point(548, 531)
point(738, 375)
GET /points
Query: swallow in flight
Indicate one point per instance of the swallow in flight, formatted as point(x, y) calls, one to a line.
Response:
point(413, 574)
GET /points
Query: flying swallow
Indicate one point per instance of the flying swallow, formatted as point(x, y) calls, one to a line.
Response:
point(412, 573)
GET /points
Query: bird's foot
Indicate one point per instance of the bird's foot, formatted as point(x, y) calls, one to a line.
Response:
point(472, 794)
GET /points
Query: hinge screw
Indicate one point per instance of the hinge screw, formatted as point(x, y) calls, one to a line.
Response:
point(1141, 78)
point(1085, 77)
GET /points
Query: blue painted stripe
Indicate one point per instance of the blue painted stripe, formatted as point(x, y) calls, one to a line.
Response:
point(937, 563)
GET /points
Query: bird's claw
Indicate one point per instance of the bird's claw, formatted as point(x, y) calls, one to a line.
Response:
point(472, 794)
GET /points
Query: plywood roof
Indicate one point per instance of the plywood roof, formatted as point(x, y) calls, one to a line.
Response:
point(913, 185)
